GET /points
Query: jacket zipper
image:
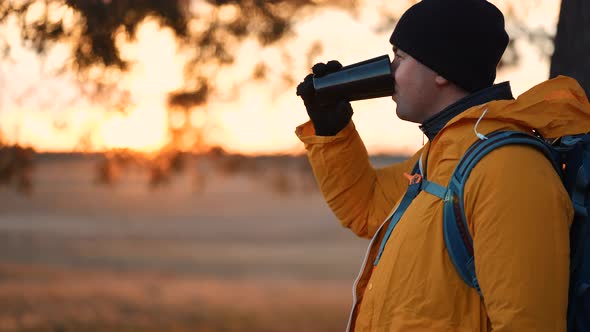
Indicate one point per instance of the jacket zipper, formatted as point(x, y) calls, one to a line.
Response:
point(354, 299)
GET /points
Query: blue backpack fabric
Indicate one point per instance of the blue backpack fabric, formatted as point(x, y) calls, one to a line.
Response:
point(570, 156)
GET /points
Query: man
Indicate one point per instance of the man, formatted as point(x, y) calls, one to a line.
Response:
point(518, 213)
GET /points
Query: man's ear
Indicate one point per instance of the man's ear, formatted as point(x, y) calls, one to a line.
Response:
point(441, 81)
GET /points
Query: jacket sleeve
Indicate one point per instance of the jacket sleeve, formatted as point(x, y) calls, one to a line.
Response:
point(360, 196)
point(519, 215)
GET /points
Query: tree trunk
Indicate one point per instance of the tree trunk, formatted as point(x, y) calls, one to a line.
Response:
point(572, 43)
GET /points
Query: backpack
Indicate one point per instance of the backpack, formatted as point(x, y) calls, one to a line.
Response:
point(570, 156)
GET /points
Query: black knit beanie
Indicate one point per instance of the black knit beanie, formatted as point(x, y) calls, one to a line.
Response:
point(461, 40)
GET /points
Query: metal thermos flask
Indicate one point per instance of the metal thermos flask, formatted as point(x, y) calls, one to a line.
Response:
point(363, 80)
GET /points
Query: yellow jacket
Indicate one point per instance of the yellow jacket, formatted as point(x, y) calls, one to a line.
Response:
point(517, 210)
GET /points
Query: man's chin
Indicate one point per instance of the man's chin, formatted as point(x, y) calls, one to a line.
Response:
point(400, 114)
point(405, 116)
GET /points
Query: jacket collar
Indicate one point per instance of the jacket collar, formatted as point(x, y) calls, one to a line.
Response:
point(434, 124)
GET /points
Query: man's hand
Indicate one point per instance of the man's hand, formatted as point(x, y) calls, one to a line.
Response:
point(328, 117)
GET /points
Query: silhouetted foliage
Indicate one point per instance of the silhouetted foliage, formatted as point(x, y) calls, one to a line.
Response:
point(113, 164)
point(92, 30)
point(190, 98)
point(16, 167)
point(160, 168)
point(210, 29)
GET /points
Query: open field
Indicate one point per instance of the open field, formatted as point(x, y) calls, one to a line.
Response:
point(214, 249)
point(62, 299)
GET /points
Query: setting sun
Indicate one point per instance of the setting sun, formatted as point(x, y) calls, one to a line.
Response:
point(143, 130)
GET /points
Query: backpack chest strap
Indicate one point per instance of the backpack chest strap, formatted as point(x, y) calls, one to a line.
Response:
point(417, 184)
point(435, 189)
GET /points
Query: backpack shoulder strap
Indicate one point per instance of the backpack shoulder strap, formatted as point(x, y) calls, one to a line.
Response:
point(456, 233)
point(414, 187)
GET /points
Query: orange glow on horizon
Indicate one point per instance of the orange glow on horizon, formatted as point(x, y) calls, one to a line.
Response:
point(136, 131)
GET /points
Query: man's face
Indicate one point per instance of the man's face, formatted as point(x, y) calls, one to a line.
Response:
point(415, 88)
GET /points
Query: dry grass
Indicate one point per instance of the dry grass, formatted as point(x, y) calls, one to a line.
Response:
point(51, 299)
point(253, 248)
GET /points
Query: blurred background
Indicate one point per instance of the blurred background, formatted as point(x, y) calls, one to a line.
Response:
point(150, 177)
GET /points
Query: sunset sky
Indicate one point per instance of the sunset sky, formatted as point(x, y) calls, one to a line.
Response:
point(47, 113)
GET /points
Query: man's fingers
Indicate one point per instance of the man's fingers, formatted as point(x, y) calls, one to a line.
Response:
point(319, 69)
point(333, 66)
point(305, 89)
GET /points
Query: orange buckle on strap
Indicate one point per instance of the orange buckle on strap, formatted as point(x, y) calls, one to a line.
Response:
point(415, 178)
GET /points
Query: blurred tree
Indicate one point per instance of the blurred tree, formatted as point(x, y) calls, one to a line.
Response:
point(210, 28)
point(16, 167)
point(572, 42)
